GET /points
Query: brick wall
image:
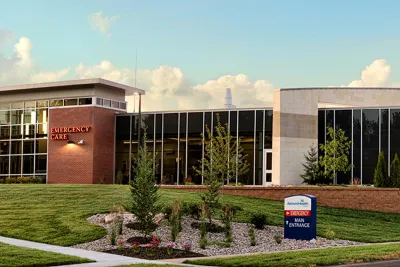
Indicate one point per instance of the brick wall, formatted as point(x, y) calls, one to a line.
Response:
point(363, 198)
point(89, 163)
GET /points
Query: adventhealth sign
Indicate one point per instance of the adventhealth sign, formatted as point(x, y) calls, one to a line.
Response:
point(300, 217)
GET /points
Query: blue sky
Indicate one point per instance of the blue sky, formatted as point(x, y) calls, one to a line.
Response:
point(290, 43)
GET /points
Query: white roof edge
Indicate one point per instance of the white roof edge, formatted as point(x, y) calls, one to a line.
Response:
point(129, 90)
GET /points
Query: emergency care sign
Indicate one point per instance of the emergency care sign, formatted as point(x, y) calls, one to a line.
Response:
point(300, 217)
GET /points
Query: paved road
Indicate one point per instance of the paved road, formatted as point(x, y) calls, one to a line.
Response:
point(395, 263)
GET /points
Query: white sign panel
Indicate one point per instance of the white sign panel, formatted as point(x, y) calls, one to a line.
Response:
point(298, 203)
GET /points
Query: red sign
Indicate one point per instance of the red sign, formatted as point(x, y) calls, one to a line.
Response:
point(301, 213)
point(61, 133)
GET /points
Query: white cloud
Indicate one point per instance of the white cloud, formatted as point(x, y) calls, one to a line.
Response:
point(375, 75)
point(102, 23)
point(5, 37)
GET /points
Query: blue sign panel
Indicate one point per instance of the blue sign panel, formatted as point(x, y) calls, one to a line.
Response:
point(300, 217)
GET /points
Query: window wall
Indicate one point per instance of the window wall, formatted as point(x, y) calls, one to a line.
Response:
point(23, 139)
point(175, 139)
point(371, 131)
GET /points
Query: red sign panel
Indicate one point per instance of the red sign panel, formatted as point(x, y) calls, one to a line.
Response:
point(300, 213)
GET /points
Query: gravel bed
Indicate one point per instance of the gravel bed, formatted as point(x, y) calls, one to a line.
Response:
point(240, 245)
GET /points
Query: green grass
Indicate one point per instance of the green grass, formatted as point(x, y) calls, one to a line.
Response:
point(56, 214)
point(318, 257)
point(12, 256)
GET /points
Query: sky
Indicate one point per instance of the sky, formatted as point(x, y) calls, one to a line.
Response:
point(184, 53)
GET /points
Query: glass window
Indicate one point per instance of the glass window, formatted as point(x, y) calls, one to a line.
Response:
point(385, 133)
point(195, 148)
point(182, 149)
point(4, 132)
point(41, 164)
point(28, 164)
point(29, 146)
point(123, 126)
point(357, 144)
point(4, 117)
point(122, 105)
point(16, 116)
point(30, 104)
point(246, 135)
point(70, 102)
point(41, 146)
point(41, 130)
point(42, 104)
point(16, 132)
point(207, 122)
point(122, 168)
point(394, 133)
point(16, 147)
point(4, 164)
point(170, 147)
point(223, 118)
point(4, 106)
point(114, 104)
point(30, 116)
point(85, 101)
point(15, 165)
point(370, 144)
point(4, 147)
point(158, 140)
point(321, 130)
point(57, 103)
point(106, 103)
point(259, 146)
point(343, 121)
point(42, 115)
point(17, 105)
point(268, 129)
point(99, 101)
point(233, 123)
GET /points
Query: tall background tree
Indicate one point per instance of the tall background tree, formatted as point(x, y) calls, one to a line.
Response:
point(336, 153)
point(395, 171)
point(312, 173)
point(144, 190)
point(380, 174)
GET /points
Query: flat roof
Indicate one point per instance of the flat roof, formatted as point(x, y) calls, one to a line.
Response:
point(202, 110)
point(342, 88)
point(129, 90)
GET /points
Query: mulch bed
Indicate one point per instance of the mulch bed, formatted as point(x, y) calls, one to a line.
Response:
point(160, 253)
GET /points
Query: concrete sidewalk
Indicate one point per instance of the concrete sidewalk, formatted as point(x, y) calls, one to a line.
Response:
point(102, 259)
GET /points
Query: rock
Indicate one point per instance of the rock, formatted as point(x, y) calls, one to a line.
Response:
point(313, 241)
point(129, 217)
point(110, 217)
point(158, 218)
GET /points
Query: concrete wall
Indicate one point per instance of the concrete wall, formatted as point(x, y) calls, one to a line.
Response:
point(295, 126)
point(362, 198)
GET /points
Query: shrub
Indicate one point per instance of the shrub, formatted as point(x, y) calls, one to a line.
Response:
point(380, 174)
point(259, 220)
point(144, 191)
point(252, 236)
point(192, 209)
point(11, 180)
point(278, 239)
point(113, 235)
point(395, 171)
point(175, 219)
point(203, 227)
point(227, 215)
point(312, 173)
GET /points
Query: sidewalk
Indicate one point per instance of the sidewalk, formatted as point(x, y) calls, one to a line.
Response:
point(102, 259)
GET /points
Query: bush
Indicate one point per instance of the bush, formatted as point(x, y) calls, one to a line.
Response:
point(395, 171)
point(312, 174)
point(252, 236)
point(175, 219)
point(23, 180)
point(227, 215)
point(193, 210)
point(259, 220)
point(380, 174)
point(278, 239)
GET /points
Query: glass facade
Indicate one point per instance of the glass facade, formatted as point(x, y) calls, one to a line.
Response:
point(175, 139)
point(371, 130)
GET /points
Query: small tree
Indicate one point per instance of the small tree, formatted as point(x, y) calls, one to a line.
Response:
point(311, 168)
point(380, 173)
point(395, 171)
point(144, 191)
point(335, 153)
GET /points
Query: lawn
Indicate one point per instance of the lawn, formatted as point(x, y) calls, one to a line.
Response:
point(318, 257)
point(12, 256)
point(56, 214)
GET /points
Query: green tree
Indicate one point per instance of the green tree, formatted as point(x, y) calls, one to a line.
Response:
point(380, 173)
point(395, 171)
point(144, 191)
point(312, 174)
point(335, 152)
point(220, 163)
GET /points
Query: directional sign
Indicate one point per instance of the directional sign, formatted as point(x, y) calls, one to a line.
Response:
point(300, 217)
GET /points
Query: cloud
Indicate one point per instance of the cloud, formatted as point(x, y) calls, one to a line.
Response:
point(102, 23)
point(375, 75)
point(5, 37)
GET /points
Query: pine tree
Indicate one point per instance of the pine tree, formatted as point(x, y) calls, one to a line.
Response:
point(395, 172)
point(311, 169)
point(144, 191)
point(380, 174)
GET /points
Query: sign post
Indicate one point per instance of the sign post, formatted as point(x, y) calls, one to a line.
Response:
point(300, 217)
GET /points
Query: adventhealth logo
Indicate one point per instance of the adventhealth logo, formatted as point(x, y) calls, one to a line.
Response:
point(301, 202)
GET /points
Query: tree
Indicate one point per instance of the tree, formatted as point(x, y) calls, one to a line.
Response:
point(312, 173)
point(144, 191)
point(395, 172)
point(380, 173)
point(336, 152)
point(220, 163)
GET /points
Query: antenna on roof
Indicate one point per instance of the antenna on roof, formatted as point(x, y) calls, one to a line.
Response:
point(136, 68)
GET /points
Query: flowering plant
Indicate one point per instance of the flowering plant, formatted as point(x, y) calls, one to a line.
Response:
point(120, 244)
point(170, 248)
point(135, 246)
point(151, 249)
point(155, 241)
point(187, 246)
